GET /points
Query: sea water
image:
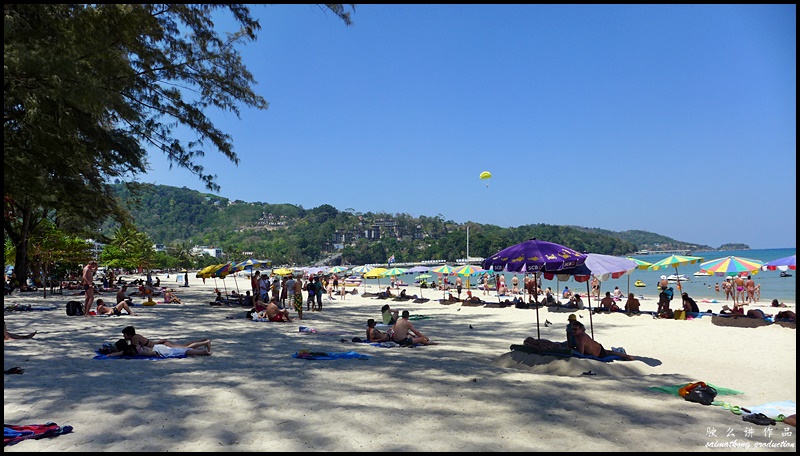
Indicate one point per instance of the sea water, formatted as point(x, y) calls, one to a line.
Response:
point(773, 286)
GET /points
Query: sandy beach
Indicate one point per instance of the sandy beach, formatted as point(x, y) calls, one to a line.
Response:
point(467, 393)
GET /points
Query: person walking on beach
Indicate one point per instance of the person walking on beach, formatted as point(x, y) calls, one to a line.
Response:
point(458, 286)
point(738, 298)
point(297, 301)
point(254, 282)
point(88, 286)
point(485, 284)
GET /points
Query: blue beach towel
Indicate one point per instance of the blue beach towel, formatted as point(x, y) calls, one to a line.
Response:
point(322, 355)
point(773, 409)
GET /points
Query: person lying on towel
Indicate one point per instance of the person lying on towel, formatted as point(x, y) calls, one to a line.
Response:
point(588, 346)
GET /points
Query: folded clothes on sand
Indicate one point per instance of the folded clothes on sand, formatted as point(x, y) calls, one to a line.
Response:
point(13, 434)
point(305, 354)
point(673, 389)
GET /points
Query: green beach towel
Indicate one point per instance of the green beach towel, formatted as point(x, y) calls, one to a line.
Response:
point(673, 389)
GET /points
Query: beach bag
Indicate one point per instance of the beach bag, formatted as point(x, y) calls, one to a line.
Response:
point(680, 315)
point(74, 308)
point(698, 392)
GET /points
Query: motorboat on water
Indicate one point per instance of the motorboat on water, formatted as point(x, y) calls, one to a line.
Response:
point(677, 277)
point(639, 283)
point(353, 281)
point(702, 274)
point(785, 274)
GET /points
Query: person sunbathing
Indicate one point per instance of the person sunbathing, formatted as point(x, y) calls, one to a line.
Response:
point(103, 309)
point(375, 335)
point(588, 346)
point(137, 340)
point(124, 348)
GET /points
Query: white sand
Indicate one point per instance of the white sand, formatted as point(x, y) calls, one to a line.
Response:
point(251, 395)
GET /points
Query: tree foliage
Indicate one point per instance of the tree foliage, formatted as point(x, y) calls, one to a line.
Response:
point(90, 88)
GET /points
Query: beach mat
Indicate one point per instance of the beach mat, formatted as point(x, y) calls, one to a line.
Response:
point(773, 409)
point(739, 322)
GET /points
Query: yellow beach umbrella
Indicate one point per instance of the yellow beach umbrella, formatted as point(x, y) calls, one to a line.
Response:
point(283, 271)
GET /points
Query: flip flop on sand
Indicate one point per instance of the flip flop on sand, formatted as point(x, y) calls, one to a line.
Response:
point(760, 419)
point(14, 370)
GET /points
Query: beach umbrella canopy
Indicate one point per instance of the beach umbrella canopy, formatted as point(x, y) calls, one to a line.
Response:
point(781, 264)
point(641, 264)
point(673, 261)
point(423, 276)
point(393, 272)
point(362, 269)
point(417, 269)
point(603, 267)
point(375, 273)
point(250, 264)
point(443, 269)
point(534, 256)
point(467, 270)
point(223, 270)
point(205, 273)
point(731, 265)
point(283, 271)
point(337, 269)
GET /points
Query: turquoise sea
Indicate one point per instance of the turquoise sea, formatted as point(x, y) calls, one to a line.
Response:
point(773, 286)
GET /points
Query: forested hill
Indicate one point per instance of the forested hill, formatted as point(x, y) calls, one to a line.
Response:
point(181, 218)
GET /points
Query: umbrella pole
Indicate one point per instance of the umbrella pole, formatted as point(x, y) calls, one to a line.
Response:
point(536, 303)
point(591, 323)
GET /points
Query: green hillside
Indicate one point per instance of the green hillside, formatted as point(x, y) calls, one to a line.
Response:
point(181, 218)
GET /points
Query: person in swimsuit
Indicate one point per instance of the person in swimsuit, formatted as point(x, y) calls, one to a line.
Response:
point(750, 286)
point(375, 335)
point(588, 346)
point(88, 286)
point(137, 340)
point(197, 348)
point(273, 313)
point(739, 296)
point(405, 334)
point(12, 336)
point(103, 309)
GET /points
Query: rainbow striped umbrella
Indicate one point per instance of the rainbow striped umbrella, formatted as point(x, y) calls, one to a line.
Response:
point(443, 269)
point(467, 270)
point(394, 272)
point(730, 266)
point(640, 264)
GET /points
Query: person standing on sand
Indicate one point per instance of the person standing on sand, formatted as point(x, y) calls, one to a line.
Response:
point(738, 297)
point(298, 297)
point(88, 286)
point(458, 286)
point(750, 287)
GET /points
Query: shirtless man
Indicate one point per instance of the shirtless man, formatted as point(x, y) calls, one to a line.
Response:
point(589, 346)
point(607, 303)
point(103, 309)
point(273, 313)
point(88, 286)
point(121, 296)
point(632, 304)
point(458, 286)
point(595, 288)
point(405, 334)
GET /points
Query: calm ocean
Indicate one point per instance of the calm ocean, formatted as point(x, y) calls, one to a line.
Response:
point(773, 286)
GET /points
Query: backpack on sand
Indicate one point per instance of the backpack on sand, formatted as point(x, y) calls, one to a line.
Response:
point(74, 308)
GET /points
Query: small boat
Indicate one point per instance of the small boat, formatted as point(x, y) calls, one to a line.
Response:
point(639, 283)
point(702, 274)
point(352, 281)
point(677, 277)
point(785, 274)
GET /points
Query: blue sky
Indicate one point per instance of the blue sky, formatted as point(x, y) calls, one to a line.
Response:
point(674, 119)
